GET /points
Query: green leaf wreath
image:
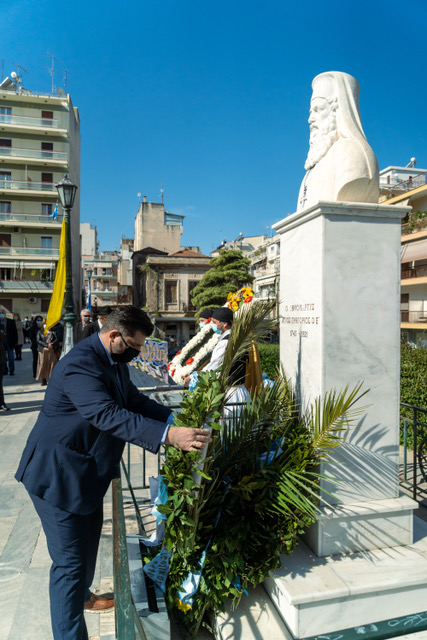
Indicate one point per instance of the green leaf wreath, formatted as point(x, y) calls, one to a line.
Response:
point(230, 516)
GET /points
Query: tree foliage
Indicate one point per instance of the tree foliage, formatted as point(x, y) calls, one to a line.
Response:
point(228, 272)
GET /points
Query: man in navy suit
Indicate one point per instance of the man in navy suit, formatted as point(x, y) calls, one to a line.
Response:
point(73, 452)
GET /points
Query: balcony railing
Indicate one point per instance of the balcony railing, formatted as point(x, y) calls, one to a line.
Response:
point(23, 217)
point(31, 121)
point(30, 286)
point(27, 185)
point(413, 316)
point(416, 272)
point(401, 187)
point(29, 251)
point(39, 154)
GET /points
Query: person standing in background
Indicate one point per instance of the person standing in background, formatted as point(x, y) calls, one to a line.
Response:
point(3, 360)
point(32, 334)
point(11, 338)
point(20, 332)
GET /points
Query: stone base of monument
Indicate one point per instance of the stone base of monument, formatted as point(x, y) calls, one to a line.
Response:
point(363, 526)
point(323, 595)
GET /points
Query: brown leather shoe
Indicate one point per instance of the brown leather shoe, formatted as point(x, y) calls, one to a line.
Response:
point(98, 604)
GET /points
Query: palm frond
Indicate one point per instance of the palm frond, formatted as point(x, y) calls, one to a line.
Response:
point(331, 416)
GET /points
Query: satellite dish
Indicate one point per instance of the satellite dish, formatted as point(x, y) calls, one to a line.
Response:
point(15, 77)
point(61, 92)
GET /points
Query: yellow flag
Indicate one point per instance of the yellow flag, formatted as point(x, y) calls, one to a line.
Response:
point(57, 300)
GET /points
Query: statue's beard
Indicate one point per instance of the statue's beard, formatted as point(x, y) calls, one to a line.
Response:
point(321, 140)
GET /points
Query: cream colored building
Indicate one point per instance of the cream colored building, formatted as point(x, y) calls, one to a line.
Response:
point(407, 186)
point(125, 269)
point(104, 285)
point(155, 227)
point(39, 143)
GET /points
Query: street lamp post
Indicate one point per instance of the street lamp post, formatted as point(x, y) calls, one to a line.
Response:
point(67, 192)
point(89, 288)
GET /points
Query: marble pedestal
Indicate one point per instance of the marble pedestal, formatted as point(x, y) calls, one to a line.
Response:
point(340, 325)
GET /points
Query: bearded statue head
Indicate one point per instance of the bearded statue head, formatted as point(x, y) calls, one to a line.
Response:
point(335, 127)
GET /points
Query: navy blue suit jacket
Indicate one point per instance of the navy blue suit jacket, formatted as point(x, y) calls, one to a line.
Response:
point(74, 449)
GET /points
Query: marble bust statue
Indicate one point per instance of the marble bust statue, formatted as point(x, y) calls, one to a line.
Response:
point(341, 166)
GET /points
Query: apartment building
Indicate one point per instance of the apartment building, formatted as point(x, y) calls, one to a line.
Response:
point(407, 186)
point(104, 287)
point(39, 143)
point(125, 279)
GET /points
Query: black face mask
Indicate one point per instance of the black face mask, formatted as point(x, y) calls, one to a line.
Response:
point(128, 354)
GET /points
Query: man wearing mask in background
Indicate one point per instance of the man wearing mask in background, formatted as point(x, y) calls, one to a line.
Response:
point(204, 316)
point(82, 323)
point(94, 327)
point(90, 410)
point(9, 328)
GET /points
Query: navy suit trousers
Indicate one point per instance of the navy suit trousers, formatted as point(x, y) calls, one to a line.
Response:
point(73, 542)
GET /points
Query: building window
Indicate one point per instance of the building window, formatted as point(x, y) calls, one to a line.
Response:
point(5, 114)
point(191, 285)
point(45, 305)
point(47, 209)
point(7, 304)
point(47, 181)
point(5, 207)
point(6, 274)
point(47, 149)
point(46, 242)
point(5, 179)
point(5, 143)
point(5, 239)
point(171, 289)
point(47, 118)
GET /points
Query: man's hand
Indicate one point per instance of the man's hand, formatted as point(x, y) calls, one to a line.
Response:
point(187, 381)
point(188, 439)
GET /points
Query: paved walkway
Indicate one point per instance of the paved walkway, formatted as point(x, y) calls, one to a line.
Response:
point(24, 559)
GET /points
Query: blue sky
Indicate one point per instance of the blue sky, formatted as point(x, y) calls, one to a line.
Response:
point(211, 99)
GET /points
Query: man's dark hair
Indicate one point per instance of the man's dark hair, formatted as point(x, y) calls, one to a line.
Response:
point(128, 320)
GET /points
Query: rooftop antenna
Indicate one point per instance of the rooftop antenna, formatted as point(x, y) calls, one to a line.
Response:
point(19, 67)
point(162, 192)
point(66, 74)
point(139, 197)
point(2, 70)
point(52, 70)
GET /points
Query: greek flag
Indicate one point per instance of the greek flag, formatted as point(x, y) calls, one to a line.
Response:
point(89, 302)
point(54, 213)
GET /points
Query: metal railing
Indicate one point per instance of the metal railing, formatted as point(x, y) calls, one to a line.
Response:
point(127, 620)
point(413, 424)
point(24, 217)
point(27, 185)
point(406, 185)
point(28, 286)
point(29, 251)
point(416, 272)
point(31, 121)
point(413, 316)
point(16, 152)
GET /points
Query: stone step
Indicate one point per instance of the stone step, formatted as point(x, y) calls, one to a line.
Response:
point(256, 618)
point(324, 595)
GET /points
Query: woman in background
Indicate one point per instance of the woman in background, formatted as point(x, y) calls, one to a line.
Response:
point(36, 324)
point(20, 341)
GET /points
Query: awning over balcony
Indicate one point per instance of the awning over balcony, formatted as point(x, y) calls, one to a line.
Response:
point(411, 251)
